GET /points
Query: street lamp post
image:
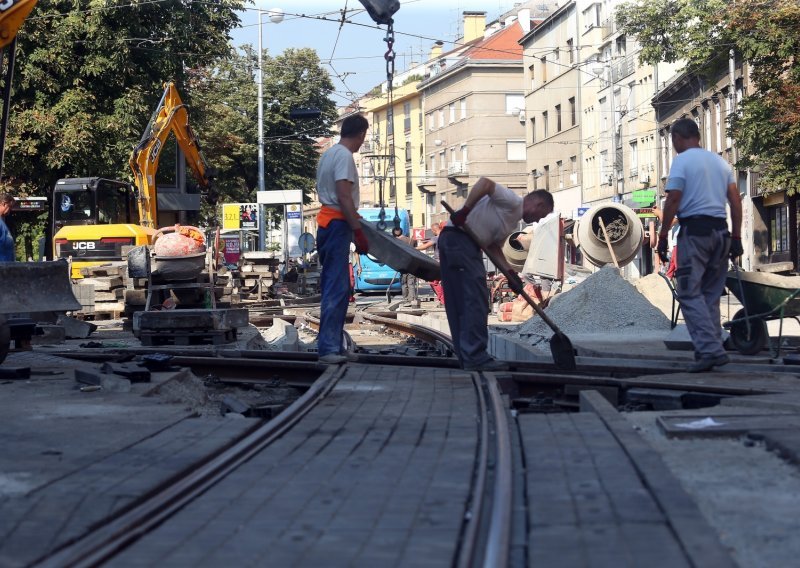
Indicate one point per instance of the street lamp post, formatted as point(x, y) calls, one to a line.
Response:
point(276, 17)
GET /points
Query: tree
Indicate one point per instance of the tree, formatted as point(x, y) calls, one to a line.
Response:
point(226, 107)
point(89, 74)
point(766, 127)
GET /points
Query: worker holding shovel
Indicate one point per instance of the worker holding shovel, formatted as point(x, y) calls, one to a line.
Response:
point(492, 212)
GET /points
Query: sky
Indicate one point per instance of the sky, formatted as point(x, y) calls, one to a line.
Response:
point(354, 54)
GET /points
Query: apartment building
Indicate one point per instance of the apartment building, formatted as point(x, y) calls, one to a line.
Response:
point(590, 128)
point(473, 103)
point(392, 155)
point(769, 222)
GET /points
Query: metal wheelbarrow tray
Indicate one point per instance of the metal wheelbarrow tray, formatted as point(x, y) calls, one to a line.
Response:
point(399, 255)
point(33, 287)
point(766, 297)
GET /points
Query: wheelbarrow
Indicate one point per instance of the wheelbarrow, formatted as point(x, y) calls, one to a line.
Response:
point(765, 297)
point(32, 287)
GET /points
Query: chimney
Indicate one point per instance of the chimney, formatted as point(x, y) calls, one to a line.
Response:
point(436, 50)
point(524, 17)
point(474, 25)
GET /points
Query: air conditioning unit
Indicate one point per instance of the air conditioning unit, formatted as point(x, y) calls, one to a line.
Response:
point(521, 116)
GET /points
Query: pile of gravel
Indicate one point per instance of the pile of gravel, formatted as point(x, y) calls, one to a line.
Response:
point(603, 303)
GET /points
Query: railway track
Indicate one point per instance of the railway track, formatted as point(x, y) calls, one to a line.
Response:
point(486, 526)
point(156, 507)
point(488, 534)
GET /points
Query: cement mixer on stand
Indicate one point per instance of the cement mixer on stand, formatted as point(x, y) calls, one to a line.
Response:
point(622, 227)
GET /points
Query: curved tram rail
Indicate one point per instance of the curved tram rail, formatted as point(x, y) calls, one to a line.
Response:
point(485, 537)
point(157, 507)
point(486, 526)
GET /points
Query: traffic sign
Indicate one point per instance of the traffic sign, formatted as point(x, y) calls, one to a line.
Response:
point(306, 242)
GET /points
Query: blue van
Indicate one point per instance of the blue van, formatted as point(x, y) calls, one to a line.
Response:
point(376, 276)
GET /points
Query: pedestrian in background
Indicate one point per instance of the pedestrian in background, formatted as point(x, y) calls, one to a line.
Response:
point(433, 242)
point(408, 281)
point(338, 221)
point(6, 240)
point(493, 212)
point(699, 185)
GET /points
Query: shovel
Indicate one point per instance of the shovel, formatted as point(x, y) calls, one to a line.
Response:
point(560, 345)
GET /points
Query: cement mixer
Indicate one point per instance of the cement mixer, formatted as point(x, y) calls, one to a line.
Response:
point(32, 287)
point(624, 229)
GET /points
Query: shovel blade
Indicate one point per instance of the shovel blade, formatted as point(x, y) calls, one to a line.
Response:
point(563, 352)
point(36, 287)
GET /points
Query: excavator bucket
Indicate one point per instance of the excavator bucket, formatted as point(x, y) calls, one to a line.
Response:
point(36, 287)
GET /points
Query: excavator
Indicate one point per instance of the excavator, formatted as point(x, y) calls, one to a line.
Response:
point(94, 218)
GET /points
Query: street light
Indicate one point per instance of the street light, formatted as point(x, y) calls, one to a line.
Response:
point(276, 17)
point(599, 72)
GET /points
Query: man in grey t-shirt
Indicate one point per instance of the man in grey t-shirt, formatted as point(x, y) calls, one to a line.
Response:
point(700, 185)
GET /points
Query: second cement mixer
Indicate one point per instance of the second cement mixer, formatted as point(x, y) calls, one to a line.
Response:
point(624, 229)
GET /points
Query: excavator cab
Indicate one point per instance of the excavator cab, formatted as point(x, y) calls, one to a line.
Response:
point(80, 205)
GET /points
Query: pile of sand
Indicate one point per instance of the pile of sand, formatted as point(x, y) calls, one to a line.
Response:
point(656, 290)
point(603, 303)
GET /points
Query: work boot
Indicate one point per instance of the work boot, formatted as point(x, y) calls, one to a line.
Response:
point(490, 365)
point(704, 364)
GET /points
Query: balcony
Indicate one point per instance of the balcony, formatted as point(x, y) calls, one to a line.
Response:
point(456, 171)
point(428, 179)
point(622, 68)
point(457, 168)
point(608, 26)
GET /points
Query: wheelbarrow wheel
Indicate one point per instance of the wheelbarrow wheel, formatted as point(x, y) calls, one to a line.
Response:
point(759, 336)
point(5, 338)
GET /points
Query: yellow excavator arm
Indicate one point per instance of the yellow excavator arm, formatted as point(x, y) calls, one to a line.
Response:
point(12, 14)
point(170, 116)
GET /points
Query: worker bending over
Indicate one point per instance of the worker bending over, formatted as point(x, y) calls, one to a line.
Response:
point(492, 211)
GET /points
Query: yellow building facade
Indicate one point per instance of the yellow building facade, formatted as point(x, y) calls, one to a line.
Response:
point(396, 131)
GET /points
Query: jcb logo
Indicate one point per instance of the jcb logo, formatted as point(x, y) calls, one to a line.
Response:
point(154, 151)
point(86, 245)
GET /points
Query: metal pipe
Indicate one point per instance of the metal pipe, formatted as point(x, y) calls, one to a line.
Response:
point(261, 208)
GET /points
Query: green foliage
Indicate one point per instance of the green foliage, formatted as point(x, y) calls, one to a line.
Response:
point(766, 127)
point(226, 106)
point(89, 74)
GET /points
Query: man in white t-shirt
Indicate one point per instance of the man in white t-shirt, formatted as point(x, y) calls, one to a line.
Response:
point(699, 186)
point(338, 225)
point(493, 212)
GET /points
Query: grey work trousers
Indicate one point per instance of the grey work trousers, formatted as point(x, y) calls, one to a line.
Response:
point(700, 279)
point(409, 287)
point(467, 306)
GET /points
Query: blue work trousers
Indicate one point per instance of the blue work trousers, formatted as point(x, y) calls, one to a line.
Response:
point(700, 280)
point(333, 243)
point(467, 305)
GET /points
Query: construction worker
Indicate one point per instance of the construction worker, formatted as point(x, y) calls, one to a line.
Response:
point(6, 240)
point(492, 211)
point(436, 285)
point(699, 185)
point(338, 190)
